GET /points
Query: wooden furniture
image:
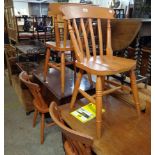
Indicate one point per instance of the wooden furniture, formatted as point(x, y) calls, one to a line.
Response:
point(43, 28)
point(38, 101)
point(74, 142)
point(30, 51)
point(61, 44)
point(12, 71)
point(10, 20)
point(139, 50)
point(25, 28)
point(10, 55)
point(98, 65)
point(123, 132)
point(52, 86)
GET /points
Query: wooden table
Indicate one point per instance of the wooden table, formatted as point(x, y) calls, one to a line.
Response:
point(52, 86)
point(27, 46)
point(123, 132)
point(31, 48)
point(29, 67)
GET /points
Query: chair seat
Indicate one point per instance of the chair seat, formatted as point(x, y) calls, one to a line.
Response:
point(23, 35)
point(52, 44)
point(106, 65)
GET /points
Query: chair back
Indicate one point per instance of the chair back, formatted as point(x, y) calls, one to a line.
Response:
point(83, 34)
point(34, 88)
point(60, 25)
point(75, 143)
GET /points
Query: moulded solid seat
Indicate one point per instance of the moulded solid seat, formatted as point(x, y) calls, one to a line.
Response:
point(106, 65)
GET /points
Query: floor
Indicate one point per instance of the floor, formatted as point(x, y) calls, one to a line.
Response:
point(20, 138)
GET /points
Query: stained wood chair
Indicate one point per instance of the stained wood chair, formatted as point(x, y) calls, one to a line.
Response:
point(75, 143)
point(100, 65)
point(39, 103)
point(60, 45)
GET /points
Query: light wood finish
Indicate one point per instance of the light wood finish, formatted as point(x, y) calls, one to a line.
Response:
point(123, 133)
point(61, 44)
point(99, 65)
point(75, 143)
point(40, 105)
point(10, 20)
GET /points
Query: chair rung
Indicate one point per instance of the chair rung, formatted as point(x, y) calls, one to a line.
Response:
point(109, 91)
point(87, 96)
point(69, 63)
point(50, 124)
point(56, 66)
point(117, 84)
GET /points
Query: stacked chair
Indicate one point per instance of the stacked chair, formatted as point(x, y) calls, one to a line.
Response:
point(99, 65)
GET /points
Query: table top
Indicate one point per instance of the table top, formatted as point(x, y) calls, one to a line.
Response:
point(31, 47)
point(54, 85)
point(29, 67)
point(123, 131)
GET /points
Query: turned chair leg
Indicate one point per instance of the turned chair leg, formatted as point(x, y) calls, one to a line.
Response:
point(134, 90)
point(42, 126)
point(46, 63)
point(35, 117)
point(62, 72)
point(76, 88)
point(99, 102)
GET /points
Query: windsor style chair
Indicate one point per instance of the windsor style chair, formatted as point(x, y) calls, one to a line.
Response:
point(75, 143)
point(61, 44)
point(98, 64)
point(39, 103)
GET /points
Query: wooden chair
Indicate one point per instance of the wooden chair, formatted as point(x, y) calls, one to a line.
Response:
point(99, 65)
point(39, 103)
point(61, 44)
point(75, 143)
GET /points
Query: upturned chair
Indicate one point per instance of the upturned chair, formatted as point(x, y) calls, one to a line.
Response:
point(75, 143)
point(39, 103)
point(100, 65)
point(60, 44)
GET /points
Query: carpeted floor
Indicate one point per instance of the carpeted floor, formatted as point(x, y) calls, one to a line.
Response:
point(20, 138)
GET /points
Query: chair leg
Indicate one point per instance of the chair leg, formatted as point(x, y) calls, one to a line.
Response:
point(90, 79)
point(103, 82)
point(35, 117)
point(76, 88)
point(134, 90)
point(99, 102)
point(46, 63)
point(62, 72)
point(42, 126)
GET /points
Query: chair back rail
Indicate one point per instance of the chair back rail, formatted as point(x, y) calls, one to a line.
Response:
point(60, 25)
point(83, 35)
point(75, 142)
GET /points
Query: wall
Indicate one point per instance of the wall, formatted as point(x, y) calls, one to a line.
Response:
point(21, 6)
point(37, 9)
point(106, 3)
